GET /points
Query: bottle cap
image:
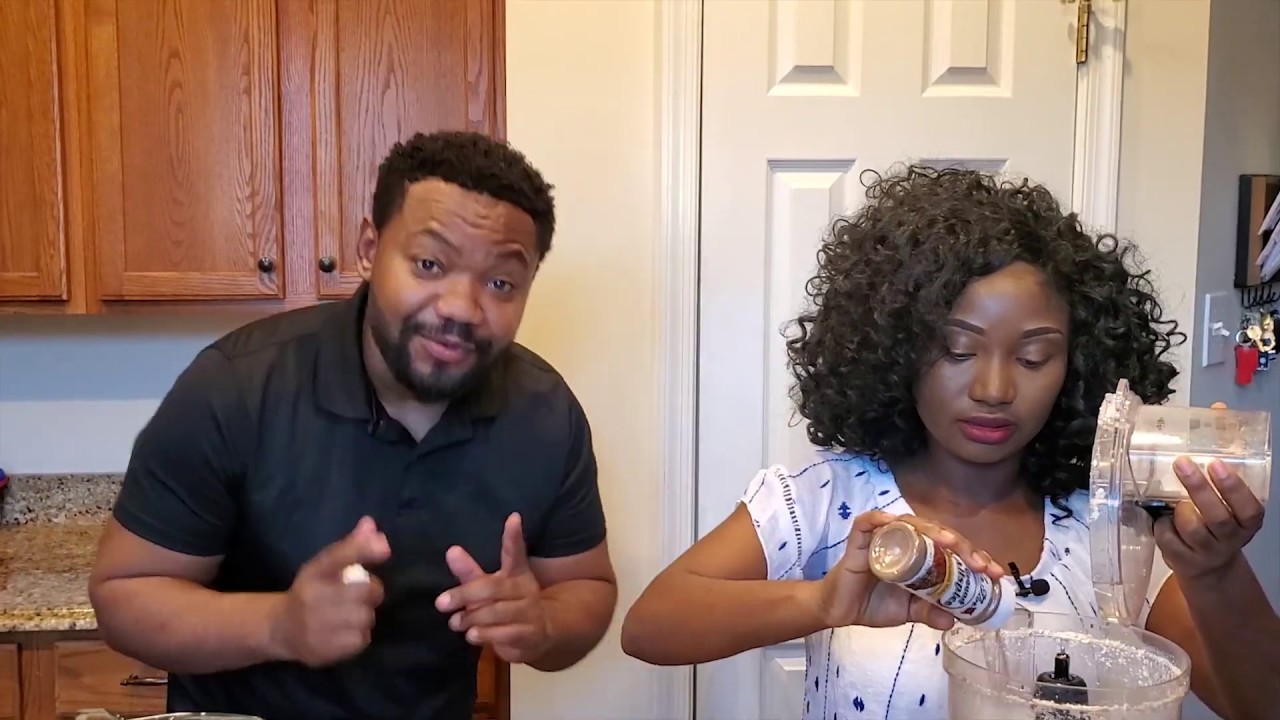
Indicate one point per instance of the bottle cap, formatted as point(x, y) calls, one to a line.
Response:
point(1004, 611)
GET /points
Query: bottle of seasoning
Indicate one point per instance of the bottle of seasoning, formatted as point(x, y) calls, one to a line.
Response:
point(902, 555)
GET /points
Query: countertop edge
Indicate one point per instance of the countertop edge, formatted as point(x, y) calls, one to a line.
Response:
point(54, 620)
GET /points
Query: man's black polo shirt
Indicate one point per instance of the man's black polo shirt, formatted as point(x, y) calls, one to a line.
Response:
point(270, 446)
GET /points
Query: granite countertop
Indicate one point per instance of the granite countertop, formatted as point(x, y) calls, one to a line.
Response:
point(49, 529)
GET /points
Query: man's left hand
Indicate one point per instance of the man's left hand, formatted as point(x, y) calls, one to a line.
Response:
point(502, 609)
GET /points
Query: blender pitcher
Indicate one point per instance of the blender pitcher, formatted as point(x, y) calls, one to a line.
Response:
point(1131, 482)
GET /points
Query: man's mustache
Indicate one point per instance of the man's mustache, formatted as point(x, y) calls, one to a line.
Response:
point(450, 331)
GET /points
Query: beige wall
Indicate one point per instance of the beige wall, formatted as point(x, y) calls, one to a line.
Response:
point(581, 103)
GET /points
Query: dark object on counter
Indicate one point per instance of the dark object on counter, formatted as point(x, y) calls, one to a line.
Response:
point(1062, 687)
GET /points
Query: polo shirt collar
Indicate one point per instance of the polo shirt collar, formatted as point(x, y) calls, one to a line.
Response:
point(342, 383)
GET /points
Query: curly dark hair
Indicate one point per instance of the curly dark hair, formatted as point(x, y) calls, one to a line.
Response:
point(889, 275)
point(469, 160)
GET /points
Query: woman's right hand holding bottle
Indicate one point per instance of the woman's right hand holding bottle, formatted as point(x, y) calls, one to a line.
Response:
point(851, 594)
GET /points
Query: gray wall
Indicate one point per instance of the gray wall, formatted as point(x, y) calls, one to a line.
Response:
point(1242, 135)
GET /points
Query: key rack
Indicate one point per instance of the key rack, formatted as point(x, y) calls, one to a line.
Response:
point(1256, 297)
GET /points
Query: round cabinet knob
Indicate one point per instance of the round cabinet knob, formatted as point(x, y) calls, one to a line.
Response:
point(266, 264)
point(328, 264)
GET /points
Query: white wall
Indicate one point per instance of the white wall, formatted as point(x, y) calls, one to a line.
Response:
point(582, 104)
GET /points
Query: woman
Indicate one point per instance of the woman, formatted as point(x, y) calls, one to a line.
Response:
point(963, 334)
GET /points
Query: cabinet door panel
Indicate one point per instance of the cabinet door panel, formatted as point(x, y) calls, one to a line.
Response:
point(33, 242)
point(384, 70)
point(186, 151)
point(91, 675)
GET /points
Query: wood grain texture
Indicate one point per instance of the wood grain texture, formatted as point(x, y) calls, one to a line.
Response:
point(57, 673)
point(197, 137)
point(90, 674)
point(10, 697)
point(38, 674)
point(32, 236)
point(385, 70)
point(186, 131)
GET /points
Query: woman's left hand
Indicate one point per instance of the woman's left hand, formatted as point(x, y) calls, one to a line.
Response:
point(1205, 535)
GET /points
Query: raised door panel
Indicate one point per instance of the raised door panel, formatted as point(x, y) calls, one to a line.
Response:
point(185, 126)
point(33, 244)
point(90, 675)
point(384, 70)
point(9, 693)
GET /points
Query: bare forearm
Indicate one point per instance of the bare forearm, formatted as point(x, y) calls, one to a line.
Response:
point(578, 614)
point(179, 626)
point(688, 619)
point(1241, 636)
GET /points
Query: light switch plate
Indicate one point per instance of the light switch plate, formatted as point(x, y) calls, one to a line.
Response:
point(1217, 331)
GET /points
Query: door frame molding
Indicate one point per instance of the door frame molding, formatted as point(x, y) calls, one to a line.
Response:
point(1095, 183)
point(676, 295)
point(1095, 174)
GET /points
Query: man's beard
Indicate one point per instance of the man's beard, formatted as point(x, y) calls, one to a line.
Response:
point(440, 383)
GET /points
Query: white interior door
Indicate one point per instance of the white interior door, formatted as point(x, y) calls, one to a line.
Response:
point(799, 96)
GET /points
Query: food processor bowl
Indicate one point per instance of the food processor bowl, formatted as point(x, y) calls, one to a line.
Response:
point(1117, 671)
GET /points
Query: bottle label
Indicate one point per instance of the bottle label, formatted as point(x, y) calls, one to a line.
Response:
point(948, 582)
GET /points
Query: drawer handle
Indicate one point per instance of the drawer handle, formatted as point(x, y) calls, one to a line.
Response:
point(134, 680)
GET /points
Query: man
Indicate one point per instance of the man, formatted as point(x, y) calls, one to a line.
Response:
point(334, 508)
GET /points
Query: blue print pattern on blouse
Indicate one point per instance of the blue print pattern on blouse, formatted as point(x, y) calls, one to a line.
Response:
point(893, 688)
point(831, 637)
point(789, 500)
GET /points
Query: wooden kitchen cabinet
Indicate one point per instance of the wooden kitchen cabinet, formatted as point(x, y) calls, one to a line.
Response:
point(185, 154)
point(56, 675)
point(33, 240)
point(10, 696)
point(185, 146)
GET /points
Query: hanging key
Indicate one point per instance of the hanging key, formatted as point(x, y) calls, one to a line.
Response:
point(1267, 338)
point(1253, 329)
point(1246, 363)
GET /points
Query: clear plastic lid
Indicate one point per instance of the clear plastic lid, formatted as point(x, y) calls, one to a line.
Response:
point(1121, 534)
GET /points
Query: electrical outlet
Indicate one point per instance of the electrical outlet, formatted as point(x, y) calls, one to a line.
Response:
point(1218, 327)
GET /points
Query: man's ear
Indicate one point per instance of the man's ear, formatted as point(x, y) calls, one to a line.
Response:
point(366, 249)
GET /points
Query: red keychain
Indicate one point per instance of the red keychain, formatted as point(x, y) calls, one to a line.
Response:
point(1246, 363)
